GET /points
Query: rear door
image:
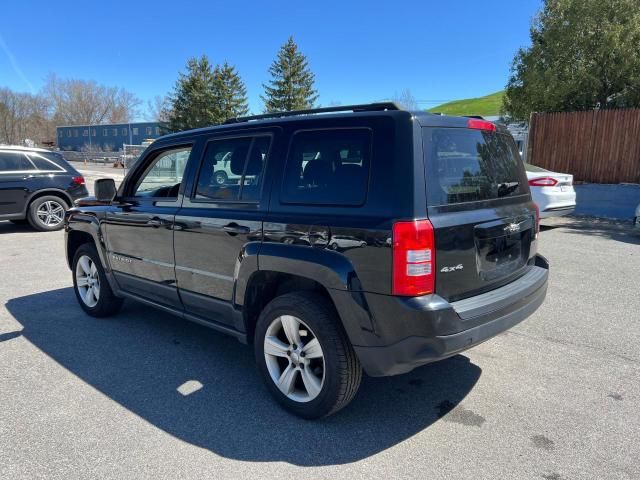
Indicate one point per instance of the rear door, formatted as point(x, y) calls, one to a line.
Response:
point(480, 206)
point(217, 221)
point(15, 173)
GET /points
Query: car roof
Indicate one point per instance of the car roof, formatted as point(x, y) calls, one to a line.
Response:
point(26, 149)
point(423, 118)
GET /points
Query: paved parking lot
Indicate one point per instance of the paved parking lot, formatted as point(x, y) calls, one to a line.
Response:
point(144, 395)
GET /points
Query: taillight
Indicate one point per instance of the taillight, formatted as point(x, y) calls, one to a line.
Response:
point(413, 258)
point(543, 182)
point(477, 124)
point(77, 180)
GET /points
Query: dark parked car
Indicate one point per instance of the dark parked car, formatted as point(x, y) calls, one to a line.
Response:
point(438, 207)
point(37, 186)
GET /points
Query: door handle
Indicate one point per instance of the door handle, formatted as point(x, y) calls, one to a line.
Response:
point(158, 222)
point(235, 229)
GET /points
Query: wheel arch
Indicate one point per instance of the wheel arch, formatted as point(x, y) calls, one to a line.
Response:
point(290, 268)
point(84, 228)
point(54, 192)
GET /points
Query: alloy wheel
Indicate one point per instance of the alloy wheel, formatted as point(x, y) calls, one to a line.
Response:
point(294, 358)
point(50, 213)
point(88, 281)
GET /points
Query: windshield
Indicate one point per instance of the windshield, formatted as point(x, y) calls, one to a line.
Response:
point(465, 165)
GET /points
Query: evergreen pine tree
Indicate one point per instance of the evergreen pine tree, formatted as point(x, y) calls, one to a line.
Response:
point(292, 84)
point(230, 94)
point(192, 103)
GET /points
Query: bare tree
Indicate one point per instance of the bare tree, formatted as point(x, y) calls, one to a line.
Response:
point(406, 100)
point(83, 102)
point(158, 109)
point(23, 117)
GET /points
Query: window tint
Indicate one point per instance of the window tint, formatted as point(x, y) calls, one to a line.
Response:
point(14, 161)
point(466, 165)
point(232, 169)
point(163, 177)
point(328, 167)
point(42, 163)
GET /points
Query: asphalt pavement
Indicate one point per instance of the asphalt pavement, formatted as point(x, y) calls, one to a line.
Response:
point(146, 395)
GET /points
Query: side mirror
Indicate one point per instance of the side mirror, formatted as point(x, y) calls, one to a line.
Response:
point(105, 190)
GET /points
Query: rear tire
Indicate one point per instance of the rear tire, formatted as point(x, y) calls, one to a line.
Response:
point(46, 214)
point(320, 362)
point(90, 283)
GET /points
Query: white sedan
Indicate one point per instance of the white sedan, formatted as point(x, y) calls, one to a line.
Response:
point(552, 192)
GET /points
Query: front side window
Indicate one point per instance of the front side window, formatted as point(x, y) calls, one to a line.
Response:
point(328, 167)
point(163, 177)
point(232, 169)
point(14, 162)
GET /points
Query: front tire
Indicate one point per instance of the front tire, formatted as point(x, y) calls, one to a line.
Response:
point(46, 214)
point(305, 357)
point(90, 283)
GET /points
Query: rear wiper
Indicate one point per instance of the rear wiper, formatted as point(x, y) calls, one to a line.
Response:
point(506, 188)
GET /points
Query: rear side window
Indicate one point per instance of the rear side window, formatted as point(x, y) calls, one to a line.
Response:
point(14, 162)
point(328, 167)
point(465, 165)
point(232, 169)
point(45, 164)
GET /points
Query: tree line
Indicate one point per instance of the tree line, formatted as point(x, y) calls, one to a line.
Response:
point(205, 94)
point(34, 116)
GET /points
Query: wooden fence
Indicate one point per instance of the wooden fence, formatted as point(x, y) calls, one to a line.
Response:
point(598, 146)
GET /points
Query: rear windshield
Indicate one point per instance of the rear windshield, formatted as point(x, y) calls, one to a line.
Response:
point(465, 165)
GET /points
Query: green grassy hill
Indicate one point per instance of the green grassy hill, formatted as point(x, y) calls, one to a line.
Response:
point(485, 106)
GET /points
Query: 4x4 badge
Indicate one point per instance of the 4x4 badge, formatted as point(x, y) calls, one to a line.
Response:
point(452, 269)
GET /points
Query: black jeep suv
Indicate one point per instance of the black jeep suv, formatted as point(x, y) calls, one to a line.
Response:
point(37, 186)
point(353, 238)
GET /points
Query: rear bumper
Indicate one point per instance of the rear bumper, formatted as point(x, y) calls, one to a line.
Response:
point(557, 211)
point(475, 320)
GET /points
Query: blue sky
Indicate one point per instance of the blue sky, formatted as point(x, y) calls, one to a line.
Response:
point(360, 51)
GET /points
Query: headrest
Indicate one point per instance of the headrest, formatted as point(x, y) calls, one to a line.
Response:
point(317, 172)
point(238, 158)
point(254, 166)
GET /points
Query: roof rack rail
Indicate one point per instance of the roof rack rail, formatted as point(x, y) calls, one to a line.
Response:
point(366, 107)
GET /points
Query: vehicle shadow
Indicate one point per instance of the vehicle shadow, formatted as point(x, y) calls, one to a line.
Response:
point(140, 357)
point(8, 227)
point(620, 231)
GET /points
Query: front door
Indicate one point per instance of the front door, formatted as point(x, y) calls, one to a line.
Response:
point(217, 221)
point(139, 227)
